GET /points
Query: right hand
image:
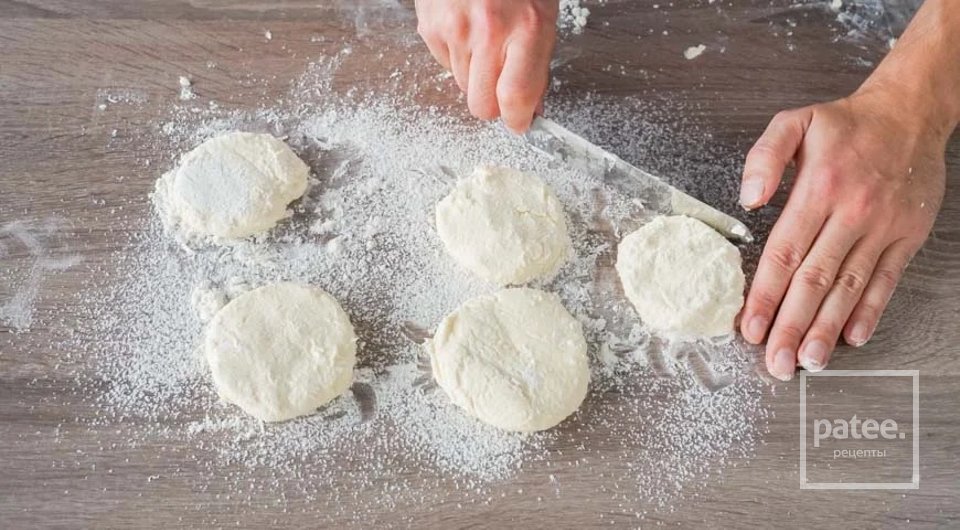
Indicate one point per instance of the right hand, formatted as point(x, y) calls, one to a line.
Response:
point(498, 50)
point(869, 184)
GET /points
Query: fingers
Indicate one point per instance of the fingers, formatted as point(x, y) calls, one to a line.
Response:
point(785, 250)
point(460, 67)
point(522, 83)
point(438, 48)
point(866, 315)
point(808, 287)
point(846, 291)
point(770, 156)
point(484, 70)
point(499, 53)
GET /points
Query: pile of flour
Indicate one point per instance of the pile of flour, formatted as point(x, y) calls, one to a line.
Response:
point(572, 16)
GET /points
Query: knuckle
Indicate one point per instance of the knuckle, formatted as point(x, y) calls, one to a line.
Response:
point(784, 115)
point(786, 257)
point(887, 278)
point(791, 330)
point(828, 181)
point(814, 277)
point(532, 18)
point(458, 29)
point(870, 311)
point(764, 148)
point(859, 208)
point(764, 302)
point(488, 17)
point(851, 282)
point(826, 328)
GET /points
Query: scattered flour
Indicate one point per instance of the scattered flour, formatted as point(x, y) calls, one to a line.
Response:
point(106, 97)
point(45, 251)
point(678, 413)
point(186, 89)
point(572, 16)
point(861, 20)
point(693, 52)
point(206, 301)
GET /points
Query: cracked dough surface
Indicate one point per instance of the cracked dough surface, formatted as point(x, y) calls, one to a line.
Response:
point(505, 226)
point(684, 279)
point(232, 186)
point(281, 351)
point(515, 359)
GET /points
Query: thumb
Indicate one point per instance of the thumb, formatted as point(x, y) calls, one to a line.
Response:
point(768, 158)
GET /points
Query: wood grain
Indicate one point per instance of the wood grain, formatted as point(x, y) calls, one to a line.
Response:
point(56, 57)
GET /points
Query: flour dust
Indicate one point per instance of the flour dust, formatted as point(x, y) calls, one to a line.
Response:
point(660, 420)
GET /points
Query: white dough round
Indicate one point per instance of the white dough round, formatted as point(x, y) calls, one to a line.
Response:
point(281, 351)
point(515, 359)
point(232, 186)
point(505, 226)
point(683, 277)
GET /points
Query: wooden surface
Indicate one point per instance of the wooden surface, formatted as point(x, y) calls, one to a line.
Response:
point(55, 55)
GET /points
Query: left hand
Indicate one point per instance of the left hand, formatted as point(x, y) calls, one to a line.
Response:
point(870, 180)
point(498, 51)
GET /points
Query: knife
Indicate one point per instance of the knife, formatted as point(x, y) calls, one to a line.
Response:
point(557, 142)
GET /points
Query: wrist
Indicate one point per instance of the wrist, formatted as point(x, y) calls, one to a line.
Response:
point(917, 78)
point(913, 103)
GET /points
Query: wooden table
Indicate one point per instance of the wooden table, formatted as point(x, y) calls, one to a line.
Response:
point(56, 57)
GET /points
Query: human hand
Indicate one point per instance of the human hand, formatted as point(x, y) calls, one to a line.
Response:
point(498, 50)
point(870, 180)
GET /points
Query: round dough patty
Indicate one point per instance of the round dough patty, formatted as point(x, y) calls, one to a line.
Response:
point(505, 226)
point(281, 351)
point(683, 278)
point(515, 359)
point(232, 186)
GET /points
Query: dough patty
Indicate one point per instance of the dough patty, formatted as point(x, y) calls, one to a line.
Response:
point(281, 351)
point(515, 359)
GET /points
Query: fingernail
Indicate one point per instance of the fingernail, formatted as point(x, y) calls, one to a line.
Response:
point(784, 363)
point(859, 335)
point(751, 191)
point(756, 328)
point(813, 358)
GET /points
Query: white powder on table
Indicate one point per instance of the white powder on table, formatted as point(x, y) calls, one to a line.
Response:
point(693, 52)
point(572, 16)
point(186, 89)
point(33, 251)
point(380, 257)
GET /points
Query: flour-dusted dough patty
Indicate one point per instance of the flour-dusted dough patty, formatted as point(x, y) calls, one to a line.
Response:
point(281, 351)
point(683, 278)
point(232, 186)
point(505, 226)
point(515, 359)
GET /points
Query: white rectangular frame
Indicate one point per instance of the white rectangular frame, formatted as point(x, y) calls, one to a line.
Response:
point(915, 478)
